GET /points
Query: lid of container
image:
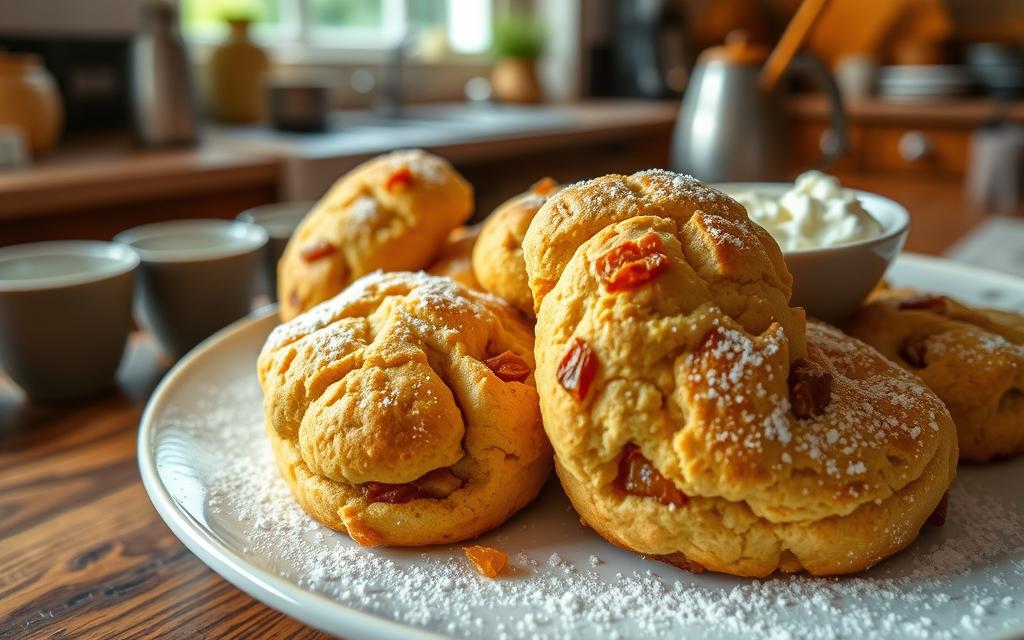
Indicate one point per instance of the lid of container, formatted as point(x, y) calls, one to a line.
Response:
point(737, 50)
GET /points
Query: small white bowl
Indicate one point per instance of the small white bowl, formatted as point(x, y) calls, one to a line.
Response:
point(832, 282)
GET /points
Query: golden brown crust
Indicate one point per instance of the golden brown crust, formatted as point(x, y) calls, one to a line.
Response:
point(680, 561)
point(391, 213)
point(388, 383)
point(724, 248)
point(727, 537)
point(694, 351)
point(455, 260)
point(498, 256)
point(973, 359)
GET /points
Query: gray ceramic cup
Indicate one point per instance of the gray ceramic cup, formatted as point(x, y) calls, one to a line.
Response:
point(279, 220)
point(196, 277)
point(65, 316)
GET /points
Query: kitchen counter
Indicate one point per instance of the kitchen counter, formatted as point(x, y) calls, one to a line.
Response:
point(99, 172)
point(464, 134)
point(459, 131)
point(926, 139)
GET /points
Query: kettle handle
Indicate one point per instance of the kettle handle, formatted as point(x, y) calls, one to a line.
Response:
point(814, 68)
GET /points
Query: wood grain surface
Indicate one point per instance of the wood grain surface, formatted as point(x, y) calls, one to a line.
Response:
point(83, 554)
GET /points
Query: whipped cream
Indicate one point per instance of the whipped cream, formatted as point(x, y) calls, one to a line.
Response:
point(816, 212)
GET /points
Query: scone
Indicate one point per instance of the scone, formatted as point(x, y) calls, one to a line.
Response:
point(694, 416)
point(404, 411)
point(391, 213)
point(455, 260)
point(971, 358)
point(498, 256)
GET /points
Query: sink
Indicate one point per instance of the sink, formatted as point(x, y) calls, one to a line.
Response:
point(361, 119)
point(315, 160)
point(422, 125)
point(494, 119)
point(462, 132)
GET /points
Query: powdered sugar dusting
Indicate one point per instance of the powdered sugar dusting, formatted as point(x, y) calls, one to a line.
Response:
point(324, 313)
point(532, 201)
point(975, 347)
point(364, 210)
point(877, 419)
point(659, 186)
point(423, 165)
point(963, 580)
point(433, 291)
point(666, 185)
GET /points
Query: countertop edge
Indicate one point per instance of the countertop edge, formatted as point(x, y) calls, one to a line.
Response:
point(53, 190)
point(80, 180)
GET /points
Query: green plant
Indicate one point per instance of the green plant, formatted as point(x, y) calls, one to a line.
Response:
point(518, 35)
point(210, 14)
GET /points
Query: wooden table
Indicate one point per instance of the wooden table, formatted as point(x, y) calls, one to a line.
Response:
point(83, 554)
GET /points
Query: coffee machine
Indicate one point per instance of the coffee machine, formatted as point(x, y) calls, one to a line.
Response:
point(649, 57)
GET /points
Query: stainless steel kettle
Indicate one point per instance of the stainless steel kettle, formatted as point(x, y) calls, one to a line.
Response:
point(729, 129)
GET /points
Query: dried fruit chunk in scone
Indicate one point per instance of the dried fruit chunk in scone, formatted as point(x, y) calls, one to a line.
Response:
point(392, 213)
point(972, 358)
point(404, 411)
point(696, 416)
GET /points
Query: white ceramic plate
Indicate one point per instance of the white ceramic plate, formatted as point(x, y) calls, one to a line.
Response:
point(208, 471)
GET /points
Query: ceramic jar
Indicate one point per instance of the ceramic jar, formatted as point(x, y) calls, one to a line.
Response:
point(515, 80)
point(235, 77)
point(29, 100)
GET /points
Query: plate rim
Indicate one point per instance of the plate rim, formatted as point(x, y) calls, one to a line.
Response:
point(950, 265)
point(308, 607)
point(265, 586)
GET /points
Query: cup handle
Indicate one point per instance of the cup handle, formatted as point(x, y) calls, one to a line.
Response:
point(812, 67)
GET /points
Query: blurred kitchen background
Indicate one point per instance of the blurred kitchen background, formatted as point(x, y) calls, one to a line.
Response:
point(114, 113)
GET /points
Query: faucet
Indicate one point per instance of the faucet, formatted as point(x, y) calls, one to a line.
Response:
point(388, 102)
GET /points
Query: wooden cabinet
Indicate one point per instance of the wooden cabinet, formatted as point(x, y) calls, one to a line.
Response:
point(930, 150)
point(926, 139)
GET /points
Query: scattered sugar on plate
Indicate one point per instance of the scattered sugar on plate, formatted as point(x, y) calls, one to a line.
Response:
point(961, 581)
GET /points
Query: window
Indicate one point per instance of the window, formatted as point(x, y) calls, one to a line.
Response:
point(204, 20)
point(456, 26)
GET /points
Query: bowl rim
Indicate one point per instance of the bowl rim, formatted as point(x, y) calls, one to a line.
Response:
point(901, 226)
point(253, 238)
point(286, 210)
point(122, 260)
